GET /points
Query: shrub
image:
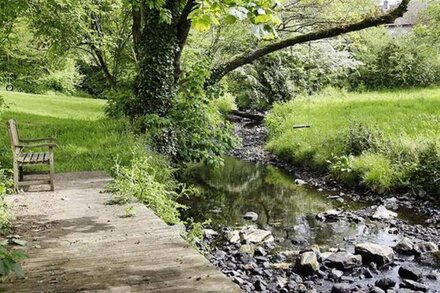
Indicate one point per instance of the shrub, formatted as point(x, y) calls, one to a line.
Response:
point(6, 186)
point(148, 178)
point(375, 170)
point(360, 138)
point(394, 62)
point(341, 168)
point(10, 262)
point(224, 104)
point(424, 177)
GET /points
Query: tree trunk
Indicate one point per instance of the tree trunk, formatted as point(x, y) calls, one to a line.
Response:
point(156, 87)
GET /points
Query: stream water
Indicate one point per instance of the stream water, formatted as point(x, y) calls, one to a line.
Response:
point(285, 208)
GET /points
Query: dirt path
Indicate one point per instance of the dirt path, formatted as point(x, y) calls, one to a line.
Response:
point(77, 242)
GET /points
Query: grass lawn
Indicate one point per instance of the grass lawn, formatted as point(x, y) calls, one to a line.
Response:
point(408, 119)
point(88, 141)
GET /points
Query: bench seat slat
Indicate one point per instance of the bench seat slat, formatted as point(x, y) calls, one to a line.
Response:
point(33, 158)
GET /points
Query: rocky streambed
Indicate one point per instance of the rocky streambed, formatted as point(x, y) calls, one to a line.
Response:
point(286, 230)
point(400, 262)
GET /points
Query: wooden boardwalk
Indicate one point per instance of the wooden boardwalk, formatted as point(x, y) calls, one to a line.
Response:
point(77, 242)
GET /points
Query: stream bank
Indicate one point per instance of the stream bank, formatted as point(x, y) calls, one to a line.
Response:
point(282, 230)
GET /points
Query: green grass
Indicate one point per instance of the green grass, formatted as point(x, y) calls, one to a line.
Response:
point(404, 120)
point(88, 141)
point(57, 106)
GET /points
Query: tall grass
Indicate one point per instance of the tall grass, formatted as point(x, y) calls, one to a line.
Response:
point(376, 139)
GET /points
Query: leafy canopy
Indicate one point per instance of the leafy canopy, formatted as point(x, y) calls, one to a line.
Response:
point(263, 15)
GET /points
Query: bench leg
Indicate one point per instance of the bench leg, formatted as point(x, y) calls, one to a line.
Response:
point(20, 171)
point(16, 174)
point(51, 171)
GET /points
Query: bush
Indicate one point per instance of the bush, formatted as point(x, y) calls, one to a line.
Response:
point(360, 138)
point(375, 170)
point(6, 187)
point(10, 262)
point(395, 62)
point(148, 178)
point(424, 177)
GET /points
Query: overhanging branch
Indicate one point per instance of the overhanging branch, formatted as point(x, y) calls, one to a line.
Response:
point(248, 58)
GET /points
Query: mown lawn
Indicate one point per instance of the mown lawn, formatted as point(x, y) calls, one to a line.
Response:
point(403, 122)
point(88, 141)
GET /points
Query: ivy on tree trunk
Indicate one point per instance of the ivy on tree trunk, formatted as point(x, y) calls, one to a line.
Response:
point(156, 86)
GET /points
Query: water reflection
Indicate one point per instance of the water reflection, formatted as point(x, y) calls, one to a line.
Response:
point(289, 210)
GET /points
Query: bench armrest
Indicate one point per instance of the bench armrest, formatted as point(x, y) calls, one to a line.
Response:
point(40, 145)
point(50, 139)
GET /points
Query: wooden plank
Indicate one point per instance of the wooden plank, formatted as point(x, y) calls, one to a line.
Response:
point(26, 158)
point(85, 245)
point(33, 182)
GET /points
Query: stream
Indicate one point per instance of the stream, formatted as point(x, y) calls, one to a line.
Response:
point(295, 214)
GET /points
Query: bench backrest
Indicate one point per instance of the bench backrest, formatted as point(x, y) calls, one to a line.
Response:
point(14, 138)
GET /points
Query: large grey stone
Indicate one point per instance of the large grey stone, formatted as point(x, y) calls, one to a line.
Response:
point(343, 260)
point(410, 272)
point(431, 259)
point(329, 216)
point(385, 283)
point(341, 288)
point(413, 285)
point(251, 216)
point(307, 263)
point(405, 246)
point(379, 254)
point(381, 213)
point(250, 234)
point(425, 246)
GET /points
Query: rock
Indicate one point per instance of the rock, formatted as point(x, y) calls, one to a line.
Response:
point(410, 272)
point(299, 241)
point(367, 273)
point(325, 255)
point(413, 285)
point(433, 276)
point(341, 288)
point(247, 248)
point(209, 233)
point(379, 254)
point(336, 274)
point(376, 290)
point(233, 236)
point(307, 263)
point(431, 259)
point(405, 246)
point(260, 285)
point(385, 283)
point(220, 254)
point(300, 182)
point(381, 213)
point(250, 234)
point(424, 246)
point(391, 203)
point(238, 280)
point(329, 216)
point(260, 251)
point(343, 260)
point(251, 216)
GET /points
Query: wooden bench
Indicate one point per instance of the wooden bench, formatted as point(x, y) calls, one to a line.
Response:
point(22, 157)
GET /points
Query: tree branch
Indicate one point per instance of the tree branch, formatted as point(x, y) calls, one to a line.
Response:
point(183, 27)
point(248, 58)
